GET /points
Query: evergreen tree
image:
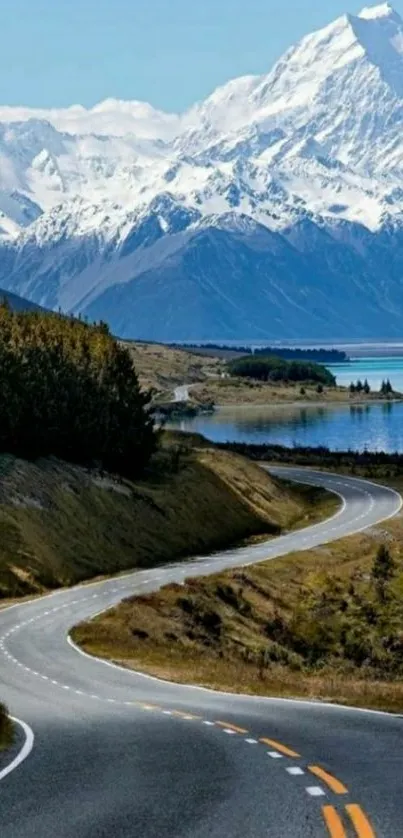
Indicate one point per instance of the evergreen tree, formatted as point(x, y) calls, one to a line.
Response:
point(386, 388)
point(70, 390)
point(367, 388)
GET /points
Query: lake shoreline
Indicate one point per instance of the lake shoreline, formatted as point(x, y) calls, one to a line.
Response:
point(235, 391)
point(305, 404)
point(283, 415)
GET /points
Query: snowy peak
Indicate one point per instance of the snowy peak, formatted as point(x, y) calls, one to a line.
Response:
point(384, 10)
point(376, 34)
point(335, 61)
point(320, 135)
point(380, 32)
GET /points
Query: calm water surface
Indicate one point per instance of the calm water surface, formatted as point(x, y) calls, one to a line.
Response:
point(374, 369)
point(377, 427)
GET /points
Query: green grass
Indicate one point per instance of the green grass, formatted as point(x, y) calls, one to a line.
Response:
point(60, 524)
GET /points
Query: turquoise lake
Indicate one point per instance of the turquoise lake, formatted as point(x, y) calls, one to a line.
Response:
point(377, 427)
point(374, 369)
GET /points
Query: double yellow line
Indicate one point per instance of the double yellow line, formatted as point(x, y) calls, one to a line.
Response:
point(332, 817)
point(335, 824)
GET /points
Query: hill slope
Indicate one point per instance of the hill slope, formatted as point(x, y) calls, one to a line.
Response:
point(323, 624)
point(61, 524)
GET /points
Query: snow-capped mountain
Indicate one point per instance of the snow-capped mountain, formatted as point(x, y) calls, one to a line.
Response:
point(272, 209)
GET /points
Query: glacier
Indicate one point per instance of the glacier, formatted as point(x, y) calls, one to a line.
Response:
point(273, 209)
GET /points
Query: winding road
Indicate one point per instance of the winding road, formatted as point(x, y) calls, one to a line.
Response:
point(121, 755)
point(181, 394)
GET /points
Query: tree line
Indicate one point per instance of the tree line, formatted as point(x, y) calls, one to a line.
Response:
point(386, 388)
point(278, 369)
point(289, 353)
point(69, 389)
point(369, 462)
point(319, 356)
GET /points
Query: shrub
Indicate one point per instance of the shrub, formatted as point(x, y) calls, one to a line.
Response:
point(383, 570)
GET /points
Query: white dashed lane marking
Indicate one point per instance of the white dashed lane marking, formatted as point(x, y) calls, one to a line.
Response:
point(306, 539)
point(315, 791)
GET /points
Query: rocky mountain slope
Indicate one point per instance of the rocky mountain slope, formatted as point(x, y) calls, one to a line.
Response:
point(272, 209)
point(17, 303)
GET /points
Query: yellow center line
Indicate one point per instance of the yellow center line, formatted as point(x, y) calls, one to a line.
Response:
point(333, 822)
point(334, 784)
point(181, 715)
point(361, 824)
point(232, 727)
point(279, 747)
point(150, 707)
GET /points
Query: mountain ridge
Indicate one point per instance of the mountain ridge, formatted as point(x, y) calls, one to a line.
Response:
point(273, 167)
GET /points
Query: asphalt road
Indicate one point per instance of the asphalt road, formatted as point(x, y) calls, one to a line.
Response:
point(181, 394)
point(118, 754)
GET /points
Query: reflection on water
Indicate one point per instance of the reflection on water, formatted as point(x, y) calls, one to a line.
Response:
point(377, 427)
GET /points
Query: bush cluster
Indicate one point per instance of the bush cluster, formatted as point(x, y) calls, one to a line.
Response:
point(354, 622)
point(277, 369)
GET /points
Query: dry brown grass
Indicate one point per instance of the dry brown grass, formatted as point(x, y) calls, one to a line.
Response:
point(162, 368)
point(217, 631)
point(240, 391)
point(60, 524)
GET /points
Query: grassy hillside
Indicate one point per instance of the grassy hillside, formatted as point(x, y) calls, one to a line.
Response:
point(325, 624)
point(162, 368)
point(60, 524)
point(6, 728)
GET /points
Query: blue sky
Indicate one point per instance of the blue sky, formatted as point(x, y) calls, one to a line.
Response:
point(168, 52)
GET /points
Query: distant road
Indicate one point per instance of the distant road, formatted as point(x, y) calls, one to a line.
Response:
point(181, 394)
point(119, 755)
